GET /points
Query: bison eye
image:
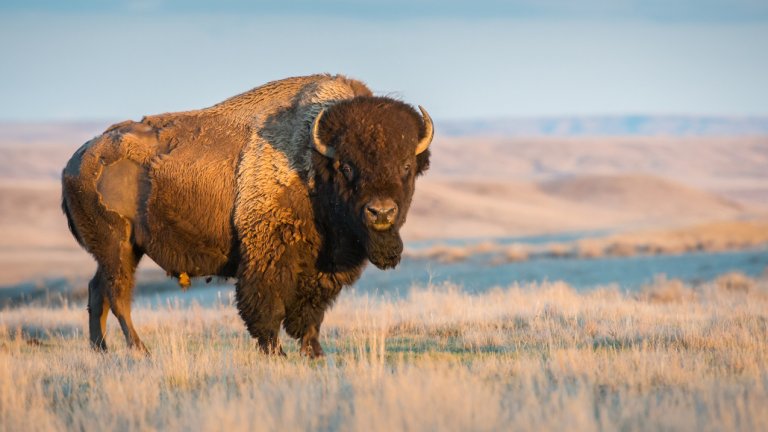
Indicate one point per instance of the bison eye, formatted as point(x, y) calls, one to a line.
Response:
point(406, 169)
point(345, 169)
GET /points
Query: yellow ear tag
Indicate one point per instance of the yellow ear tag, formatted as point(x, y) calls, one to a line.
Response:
point(184, 281)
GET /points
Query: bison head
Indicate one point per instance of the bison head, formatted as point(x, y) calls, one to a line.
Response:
point(372, 150)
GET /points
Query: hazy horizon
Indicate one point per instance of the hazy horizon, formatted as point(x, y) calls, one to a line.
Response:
point(84, 60)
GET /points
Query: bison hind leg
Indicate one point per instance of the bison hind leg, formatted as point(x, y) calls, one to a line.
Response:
point(112, 288)
point(98, 309)
point(120, 292)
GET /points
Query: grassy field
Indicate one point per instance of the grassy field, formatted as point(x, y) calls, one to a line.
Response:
point(533, 357)
point(717, 236)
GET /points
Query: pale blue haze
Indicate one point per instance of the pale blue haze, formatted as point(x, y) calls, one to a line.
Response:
point(463, 60)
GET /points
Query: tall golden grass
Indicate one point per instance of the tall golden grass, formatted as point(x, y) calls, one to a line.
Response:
point(533, 357)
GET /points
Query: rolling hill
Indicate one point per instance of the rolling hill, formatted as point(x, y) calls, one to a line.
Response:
point(477, 186)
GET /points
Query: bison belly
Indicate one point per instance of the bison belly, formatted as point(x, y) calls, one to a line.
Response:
point(186, 225)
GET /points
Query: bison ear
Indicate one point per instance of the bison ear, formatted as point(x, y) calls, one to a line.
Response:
point(317, 143)
point(429, 132)
point(422, 162)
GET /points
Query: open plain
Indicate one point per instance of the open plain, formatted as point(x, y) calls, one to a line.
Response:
point(534, 357)
point(673, 355)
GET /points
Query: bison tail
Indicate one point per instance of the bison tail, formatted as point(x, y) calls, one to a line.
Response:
point(70, 223)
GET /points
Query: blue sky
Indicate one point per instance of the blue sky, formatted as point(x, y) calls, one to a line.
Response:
point(462, 60)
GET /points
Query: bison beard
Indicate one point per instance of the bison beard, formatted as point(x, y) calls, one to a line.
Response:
point(384, 248)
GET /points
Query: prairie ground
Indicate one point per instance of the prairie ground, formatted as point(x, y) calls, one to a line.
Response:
point(714, 236)
point(672, 357)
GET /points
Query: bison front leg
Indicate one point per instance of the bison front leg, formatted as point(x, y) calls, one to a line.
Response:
point(310, 342)
point(303, 323)
point(263, 311)
point(308, 334)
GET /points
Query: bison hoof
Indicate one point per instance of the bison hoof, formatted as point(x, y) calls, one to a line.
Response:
point(272, 348)
point(312, 349)
point(99, 346)
point(140, 349)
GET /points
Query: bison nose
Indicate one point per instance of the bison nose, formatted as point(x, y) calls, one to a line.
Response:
point(381, 213)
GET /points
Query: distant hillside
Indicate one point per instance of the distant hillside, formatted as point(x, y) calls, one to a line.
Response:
point(45, 133)
point(726, 156)
point(486, 208)
point(32, 151)
point(38, 133)
point(477, 186)
point(642, 194)
point(636, 125)
point(734, 167)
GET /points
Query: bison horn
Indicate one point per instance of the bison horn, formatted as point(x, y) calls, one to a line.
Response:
point(317, 143)
point(429, 131)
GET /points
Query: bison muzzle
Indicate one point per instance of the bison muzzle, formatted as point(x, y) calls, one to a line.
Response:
point(290, 187)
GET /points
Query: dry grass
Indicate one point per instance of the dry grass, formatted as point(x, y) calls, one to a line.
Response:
point(715, 236)
point(709, 237)
point(525, 358)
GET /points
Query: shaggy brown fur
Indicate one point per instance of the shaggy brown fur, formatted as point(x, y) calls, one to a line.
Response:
point(237, 190)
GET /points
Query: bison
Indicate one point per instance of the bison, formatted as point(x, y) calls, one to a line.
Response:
point(290, 187)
